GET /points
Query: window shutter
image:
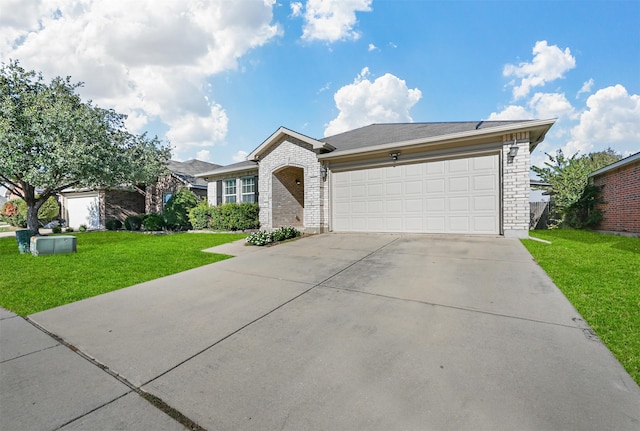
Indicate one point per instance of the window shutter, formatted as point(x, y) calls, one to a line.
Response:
point(218, 192)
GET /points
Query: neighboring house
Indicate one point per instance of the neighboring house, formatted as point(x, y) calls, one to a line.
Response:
point(620, 182)
point(454, 177)
point(94, 207)
point(182, 175)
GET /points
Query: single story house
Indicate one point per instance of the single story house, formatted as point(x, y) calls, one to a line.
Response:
point(452, 177)
point(620, 182)
point(94, 207)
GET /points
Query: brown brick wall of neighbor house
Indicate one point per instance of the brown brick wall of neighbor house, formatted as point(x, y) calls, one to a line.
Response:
point(167, 184)
point(118, 204)
point(621, 196)
point(288, 198)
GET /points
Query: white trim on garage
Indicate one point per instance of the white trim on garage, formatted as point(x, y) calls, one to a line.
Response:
point(460, 195)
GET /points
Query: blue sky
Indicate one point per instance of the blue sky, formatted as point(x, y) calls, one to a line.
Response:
point(217, 79)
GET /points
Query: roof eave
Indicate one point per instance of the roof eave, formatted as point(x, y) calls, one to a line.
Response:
point(222, 171)
point(632, 158)
point(282, 132)
point(541, 125)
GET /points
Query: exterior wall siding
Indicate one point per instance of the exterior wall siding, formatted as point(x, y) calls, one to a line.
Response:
point(515, 186)
point(621, 196)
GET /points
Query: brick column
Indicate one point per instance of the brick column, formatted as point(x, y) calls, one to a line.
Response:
point(515, 186)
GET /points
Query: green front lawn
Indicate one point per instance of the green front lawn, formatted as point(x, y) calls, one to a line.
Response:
point(105, 261)
point(600, 275)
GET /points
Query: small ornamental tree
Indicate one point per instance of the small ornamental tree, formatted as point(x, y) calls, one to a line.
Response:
point(568, 177)
point(51, 140)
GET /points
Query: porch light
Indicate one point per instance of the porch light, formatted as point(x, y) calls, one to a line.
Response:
point(513, 152)
point(298, 182)
point(394, 156)
point(323, 172)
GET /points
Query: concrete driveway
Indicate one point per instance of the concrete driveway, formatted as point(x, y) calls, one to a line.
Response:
point(354, 332)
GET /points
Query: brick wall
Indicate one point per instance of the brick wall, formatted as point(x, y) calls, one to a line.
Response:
point(292, 152)
point(621, 196)
point(515, 186)
point(287, 199)
point(167, 184)
point(119, 204)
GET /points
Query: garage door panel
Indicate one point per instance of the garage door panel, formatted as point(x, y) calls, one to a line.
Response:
point(446, 196)
point(436, 186)
point(484, 182)
point(460, 184)
point(459, 204)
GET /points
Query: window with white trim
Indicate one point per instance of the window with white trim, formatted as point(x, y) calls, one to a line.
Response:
point(230, 191)
point(248, 189)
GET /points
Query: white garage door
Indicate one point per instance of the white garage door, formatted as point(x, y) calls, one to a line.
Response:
point(83, 210)
point(448, 196)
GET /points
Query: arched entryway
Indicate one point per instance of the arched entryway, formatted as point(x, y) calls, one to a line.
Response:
point(287, 197)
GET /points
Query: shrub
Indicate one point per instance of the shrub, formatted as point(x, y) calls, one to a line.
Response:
point(133, 222)
point(14, 212)
point(48, 211)
point(176, 211)
point(281, 234)
point(235, 216)
point(83, 228)
point(153, 222)
point(69, 229)
point(200, 216)
point(113, 224)
point(56, 229)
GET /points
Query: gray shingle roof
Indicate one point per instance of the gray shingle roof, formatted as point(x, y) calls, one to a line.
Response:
point(380, 134)
point(187, 171)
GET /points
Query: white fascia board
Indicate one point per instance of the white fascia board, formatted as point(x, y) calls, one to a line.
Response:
point(281, 132)
point(619, 163)
point(544, 125)
point(222, 171)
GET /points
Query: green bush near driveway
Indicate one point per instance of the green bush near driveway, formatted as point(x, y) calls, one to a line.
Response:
point(105, 261)
point(600, 275)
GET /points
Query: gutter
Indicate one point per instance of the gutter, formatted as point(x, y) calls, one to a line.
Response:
point(454, 137)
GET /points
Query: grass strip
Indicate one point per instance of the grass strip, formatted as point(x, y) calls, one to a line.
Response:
point(105, 261)
point(600, 275)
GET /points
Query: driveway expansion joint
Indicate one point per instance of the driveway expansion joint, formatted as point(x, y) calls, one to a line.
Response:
point(585, 330)
point(151, 399)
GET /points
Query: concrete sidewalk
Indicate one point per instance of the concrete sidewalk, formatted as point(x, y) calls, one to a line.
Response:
point(45, 385)
point(328, 332)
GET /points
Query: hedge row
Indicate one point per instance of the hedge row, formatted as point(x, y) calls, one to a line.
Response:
point(226, 217)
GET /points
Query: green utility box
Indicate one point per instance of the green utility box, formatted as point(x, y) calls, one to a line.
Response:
point(23, 237)
point(41, 245)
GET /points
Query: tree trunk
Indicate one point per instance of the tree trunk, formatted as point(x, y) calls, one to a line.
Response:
point(32, 220)
point(33, 205)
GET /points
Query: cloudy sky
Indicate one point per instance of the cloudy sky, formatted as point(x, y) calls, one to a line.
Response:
point(217, 77)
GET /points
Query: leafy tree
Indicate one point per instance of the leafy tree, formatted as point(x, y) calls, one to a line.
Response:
point(568, 176)
point(51, 140)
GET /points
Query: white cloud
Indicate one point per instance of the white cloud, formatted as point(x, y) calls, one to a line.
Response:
point(611, 119)
point(540, 106)
point(512, 112)
point(332, 20)
point(586, 87)
point(148, 59)
point(549, 63)
point(193, 132)
point(240, 156)
point(204, 155)
point(372, 47)
point(296, 8)
point(386, 99)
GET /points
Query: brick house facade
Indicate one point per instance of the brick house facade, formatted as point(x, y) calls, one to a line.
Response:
point(463, 177)
point(620, 193)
